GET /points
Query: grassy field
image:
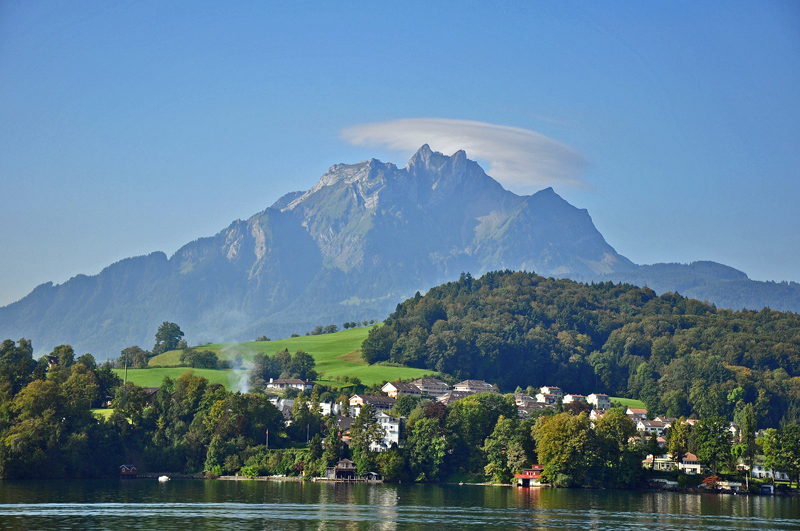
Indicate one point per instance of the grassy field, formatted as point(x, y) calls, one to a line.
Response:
point(336, 355)
point(154, 377)
point(629, 402)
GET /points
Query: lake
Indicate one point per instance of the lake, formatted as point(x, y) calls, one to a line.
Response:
point(210, 505)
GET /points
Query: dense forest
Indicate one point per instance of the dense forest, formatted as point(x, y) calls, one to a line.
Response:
point(681, 356)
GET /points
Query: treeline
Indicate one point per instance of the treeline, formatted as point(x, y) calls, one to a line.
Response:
point(682, 357)
point(47, 428)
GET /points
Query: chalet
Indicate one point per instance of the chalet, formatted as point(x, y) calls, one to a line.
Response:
point(549, 399)
point(568, 399)
point(431, 386)
point(530, 477)
point(636, 414)
point(344, 470)
point(281, 384)
point(395, 389)
point(474, 387)
point(378, 403)
point(600, 401)
point(453, 396)
point(552, 390)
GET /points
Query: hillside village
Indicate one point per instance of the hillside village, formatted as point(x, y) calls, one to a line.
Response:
point(295, 420)
point(650, 433)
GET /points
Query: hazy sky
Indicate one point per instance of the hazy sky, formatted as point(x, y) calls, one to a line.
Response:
point(132, 127)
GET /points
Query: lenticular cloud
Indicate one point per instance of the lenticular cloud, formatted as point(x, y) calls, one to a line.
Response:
point(518, 158)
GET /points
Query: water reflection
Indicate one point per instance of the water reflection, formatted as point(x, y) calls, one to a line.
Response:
point(212, 505)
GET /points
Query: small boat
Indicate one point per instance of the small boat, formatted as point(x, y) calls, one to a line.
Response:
point(163, 479)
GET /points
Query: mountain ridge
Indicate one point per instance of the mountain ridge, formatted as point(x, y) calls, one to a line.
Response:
point(362, 239)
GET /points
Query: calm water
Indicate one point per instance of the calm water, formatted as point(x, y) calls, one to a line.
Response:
point(211, 505)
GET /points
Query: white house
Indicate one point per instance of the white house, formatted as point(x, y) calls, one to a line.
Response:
point(281, 384)
point(568, 399)
point(764, 473)
point(392, 428)
point(548, 399)
point(597, 414)
point(552, 390)
point(600, 401)
point(690, 464)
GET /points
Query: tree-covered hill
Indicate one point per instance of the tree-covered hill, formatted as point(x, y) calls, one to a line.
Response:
point(681, 356)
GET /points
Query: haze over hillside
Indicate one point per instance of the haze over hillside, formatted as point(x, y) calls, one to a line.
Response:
point(364, 238)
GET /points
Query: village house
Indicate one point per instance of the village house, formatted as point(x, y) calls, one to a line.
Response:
point(284, 405)
point(395, 389)
point(378, 403)
point(659, 462)
point(636, 414)
point(521, 398)
point(431, 386)
point(452, 396)
point(690, 464)
point(548, 399)
point(597, 414)
point(392, 430)
point(330, 408)
point(474, 387)
point(568, 399)
point(281, 384)
point(599, 401)
point(651, 426)
point(529, 407)
point(552, 390)
point(764, 473)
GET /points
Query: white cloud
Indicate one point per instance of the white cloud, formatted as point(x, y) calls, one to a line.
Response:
point(517, 158)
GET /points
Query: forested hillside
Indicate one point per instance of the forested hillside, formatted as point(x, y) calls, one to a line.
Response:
point(681, 356)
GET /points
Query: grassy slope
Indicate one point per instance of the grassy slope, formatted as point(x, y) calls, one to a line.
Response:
point(629, 402)
point(153, 377)
point(334, 354)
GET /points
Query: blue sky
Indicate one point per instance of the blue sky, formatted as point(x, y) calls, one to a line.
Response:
point(132, 127)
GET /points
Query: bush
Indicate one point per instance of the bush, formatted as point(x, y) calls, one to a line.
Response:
point(199, 359)
point(249, 471)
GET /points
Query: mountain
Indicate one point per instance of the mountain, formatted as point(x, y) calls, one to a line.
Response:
point(361, 240)
point(725, 286)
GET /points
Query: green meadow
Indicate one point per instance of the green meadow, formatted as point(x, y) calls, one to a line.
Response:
point(153, 377)
point(335, 355)
point(629, 402)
